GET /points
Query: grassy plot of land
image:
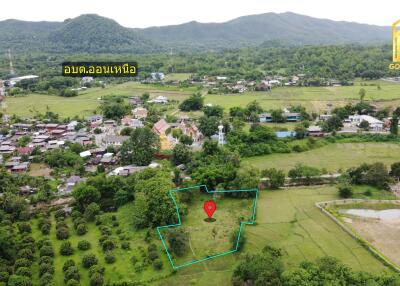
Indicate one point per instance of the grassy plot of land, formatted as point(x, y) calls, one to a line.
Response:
point(208, 238)
point(87, 102)
point(332, 157)
point(287, 219)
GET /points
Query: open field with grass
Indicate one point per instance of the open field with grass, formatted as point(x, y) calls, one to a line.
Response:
point(286, 218)
point(208, 238)
point(332, 157)
point(314, 99)
point(87, 102)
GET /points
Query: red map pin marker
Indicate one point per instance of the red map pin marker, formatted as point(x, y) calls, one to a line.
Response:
point(209, 208)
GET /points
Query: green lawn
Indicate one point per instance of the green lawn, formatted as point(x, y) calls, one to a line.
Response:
point(332, 157)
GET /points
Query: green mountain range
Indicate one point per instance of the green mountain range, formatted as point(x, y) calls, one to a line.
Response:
point(91, 33)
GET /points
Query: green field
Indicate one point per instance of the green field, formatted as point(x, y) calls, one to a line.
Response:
point(312, 98)
point(87, 102)
point(286, 218)
point(332, 157)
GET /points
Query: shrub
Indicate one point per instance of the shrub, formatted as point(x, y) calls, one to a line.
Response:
point(345, 191)
point(157, 264)
point(25, 253)
point(66, 248)
point(46, 268)
point(59, 213)
point(46, 259)
point(75, 214)
point(45, 279)
point(96, 269)
point(89, 260)
point(72, 273)
point(46, 251)
point(134, 259)
point(62, 233)
point(45, 229)
point(79, 221)
point(108, 245)
point(153, 255)
point(67, 264)
point(109, 258)
point(81, 229)
point(16, 280)
point(84, 245)
point(125, 245)
point(72, 282)
point(96, 280)
point(24, 227)
point(24, 271)
point(4, 276)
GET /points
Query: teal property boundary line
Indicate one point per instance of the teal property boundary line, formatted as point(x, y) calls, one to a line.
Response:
point(171, 192)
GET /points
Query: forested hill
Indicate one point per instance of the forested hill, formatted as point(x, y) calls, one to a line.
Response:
point(88, 33)
point(95, 34)
point(287, 27)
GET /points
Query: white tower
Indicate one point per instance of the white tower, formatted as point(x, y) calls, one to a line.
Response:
point(220, 134)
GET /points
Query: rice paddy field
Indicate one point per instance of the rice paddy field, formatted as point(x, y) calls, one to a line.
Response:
point(332, 157)
point(315, 99)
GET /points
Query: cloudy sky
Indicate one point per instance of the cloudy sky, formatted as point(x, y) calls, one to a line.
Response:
point(144, 13)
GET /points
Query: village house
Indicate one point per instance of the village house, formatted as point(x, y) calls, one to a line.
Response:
point(161, 127)
point(69, 185)
point(139, 113)
point(159, 99)
point(315, 131)
point(134, 100)
point(374, 123)
point(114, 140)
point(95, 120)
point(265, 117)
point(131, 122)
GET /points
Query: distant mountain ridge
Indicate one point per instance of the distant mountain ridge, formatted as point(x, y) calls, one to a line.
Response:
point(91, 33)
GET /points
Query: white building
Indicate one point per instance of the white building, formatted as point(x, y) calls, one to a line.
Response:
point(374, 123)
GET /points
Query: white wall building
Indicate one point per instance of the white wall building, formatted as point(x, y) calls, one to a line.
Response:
point(374, 123)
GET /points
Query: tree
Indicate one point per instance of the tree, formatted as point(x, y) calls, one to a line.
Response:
point(83, 245)
point(115, 110)
point(84, 195)
point(300, 131)
point(333, 123)
point(394, 125)
point(181, 154)
point(276, 178)
point(345, 191)
point(91, 211)
point(208, 125)
point(141, 147)
point(186, 139)
point(364, 125)
point(247, 178)
point(62, 233)
point(89, 260)
point(194, 102)
point(66, 248)
point(213, 110)
point(259, 269)
point(395, 170)
point(277, 115)
point(96, 279)
point(178, 241)
point(81, 229)
point(362, 92)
